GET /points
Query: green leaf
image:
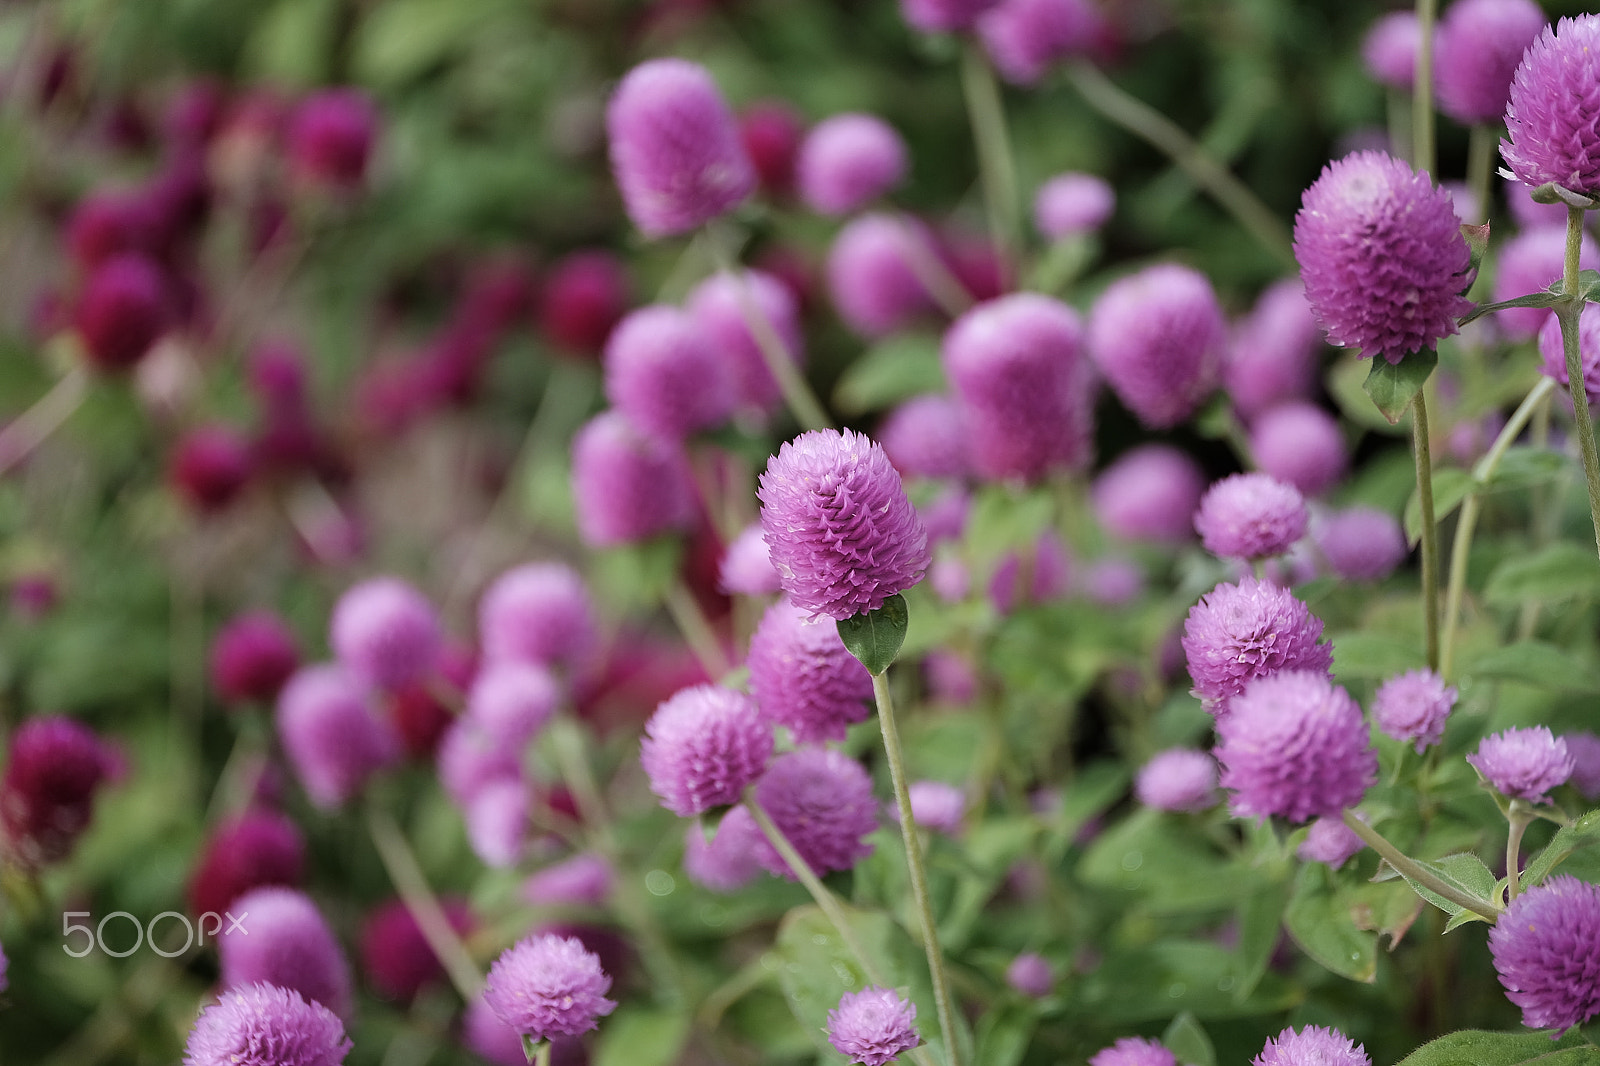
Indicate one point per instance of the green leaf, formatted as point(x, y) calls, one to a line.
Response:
point(889, 372)
point(1005, 1032)
point(1464, 872)
point(402, 39)
point(1561, 571)
point(1526, 465)
point(1476, 1047)
point(1533, 299)
point(1583, 833)
point(1260, 919)
point(1188, 1042)
point(641, 1036)
point(1358, 653)
point(1534, 663)
point(1392, 385)
point(875, 637)
point(1155, 856)
point(1345, 385)
point(1450, 486)
point(1319, 920)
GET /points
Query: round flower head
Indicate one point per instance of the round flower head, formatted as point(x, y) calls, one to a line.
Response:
point(1031, 974)
point(395, 957)
point(256, 849)
point(843, 535)
point(1157, 337)
point(469, 760)
point(110, 222)
point(664, 374)
point(730, 859)
point(537, 613)
point(497, 821)
point(585, 880)
point(1237, 633)
point(252, 657)
point(1549, 114)
point(1361, 543)
point(1273, 354)
point(1301, 444)
point(821, 799)
point(1523, 763)
point(804, 678)
point(702, 747)
point(1389, 50)
point(926, 437)
point(873, 1026)
point(1023, 387)
point(1312, 1046)
point(626, 486)
point(265, 1025)
point(848, 161)
point(1025, 38)
point(943, 16)
point(1477, 50)
point(281, 938)
point(873, 285)
point(1250, 516)
point(1149, 494)
point(1072, 203)
point(1113, 582)
point(1530, 262)
point(717, 306)
point(1584, 747)
point(1553, 357)
point(771, 131)
point(584, 296)
point(512, 701)
point(385, 632)
point(746, 567)
point(330, 138)
point(1382, 256)
point(1294, 745)
point(1330, 841)
point(121, 312)
point(210, 466)
point(1178, 779)
point(546, 986)
point(332, 736)
point(1133, 1051)
point(1546, 951)
point(949, 677)
point(1413, 706)
point(47, 794)
point(936, 806)
point(675, 148)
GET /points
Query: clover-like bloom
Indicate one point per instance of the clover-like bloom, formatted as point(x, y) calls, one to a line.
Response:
point(1150, 493)
point(258, 848)
point(1072, 203)
point(1478, 49)
point(497, 821)
point(279, 936)
point(873, 1026)
point(842, 534)
point(1314, 1045)
point(512, 701)
point(1301, 444)
point(847, 161)
point(926, 437)
point(1361, 543)
point(1025, 38)
point(1178, 779)
point(1382, 256)
point(252, 657)
point(730, 859)
point(1389, 49)
point(871, 280)
point(1330, 841)
point(1546, 951)
point(1294, 745)
point(333, 737)
point(1523, 763)
point(935, 805)
point(1158, 338)
point(1554, 96)
point(804, 678)
point(385, 632)
point(264, 1025)
point(702, 747)
point(1237, 633)
point(746, 566)
point(1250, 516)
point(537, 613)
point(546, 986)
point(718, 307)
point(1413, 706)
point(1133, 1051)
point(628, 487)
point(663, 373)
point(55, 767)
point(1031, 974)
point(1553, 356)
point(1272, 356)
point(821, 799)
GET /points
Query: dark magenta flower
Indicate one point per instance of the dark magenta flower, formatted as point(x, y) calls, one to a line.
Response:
point(386, 632)
point(702, 747)
point(1133, 1051)
point(1250, 516)
point(1072, 203)
point(771, 131)
point(395, 956)
point(1361, 543)
point(256, 849)
point(1478, 49)
point(1546, 951)
point(122, 310)
point(546, 986)
point(1178, 779)
point(252, 657)
point(663, 372)
point(263, 1024)
point(330, 138)
point(873, 1026)
point(1158, 338)
point(210, 466)
point(1302, 445)
point(821, 799)
point(849, 160)
point(584, 297)
point(1554, 96)
point(281, 938)
point(1237, 633)
point(1413, 706)
point(1025, 38)
point(538, 613)
point(628, 487)
point(47, 794)
point(804, 678)
point(1312, 1046)
point(108, 223)
point(1523, 763)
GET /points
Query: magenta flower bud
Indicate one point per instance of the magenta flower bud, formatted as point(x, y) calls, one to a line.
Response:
point(122, 310)
point(1300, 444)
point(584, 297)
point(470, 759)
point(1133, 1051)
point(717, 306)
point(1238, 633)
point(1273, 354)
point(265, 1025)
point(330, 138)
point(1361, 544)
point(1072, 203)
point(1553, 357)
point(1554, 91)
point(1382, 256)
point(1178, 779)
point(771, 132)
point(873, 1026)
point(843, 535)
point(1544, 948)
point(512, 701)
point(497, 821)
point(628, 487)
point(333, 738)
point(1294, 745)
point(1531, 262)
point(1150, 494)
point(663, 373)
point(537, 613)
point(1312, 1046)
point(1022, 385)
point(1523, 763)
point(1584, 747)
point(1413, 706)
point(1250, 516)
point(675, 148)
point(1157, 337)
point(702, 747)
point(804, 678)
point(848, 161)
point(47, 793)
point(1330, 841)
point(1025, 38)
point(395, 956)
point(385, 632)
point(935, 806)
point(281, 938)
point(731, 859)
point(546, 986)
point(110, 223)
point(746, 567)
point(210, 466)
point(252, 657)
point(1049, 569)
point(585, 880)
point(1031, 974)
point(256, 849)
point(1390, 48)
point(821, 799)
point(873, 285)
point(1477, 51)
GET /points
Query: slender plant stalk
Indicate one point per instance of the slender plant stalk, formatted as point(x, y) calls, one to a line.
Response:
point(419, 899)
point(1430, 532)
point(1519, 816)
point(1422, 90)
point(542, 1056)
point(1567, 312)
point(33, 427)
point(1545, 517)
point(1480, 166)
point(1416, 872)
point(945, 288)
point(986, 112)
point(697, 632)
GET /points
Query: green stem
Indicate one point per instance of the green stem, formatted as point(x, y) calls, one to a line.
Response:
point(542, 1056)
point(696, 630)
point(1422, 90)
point(1414, 871)
point(1568, 312)
point(33, 427)
point(987, 114)
point(918, 870)
point(1519, 816)
point(945, 288)
point(419, 899)
point(1481, 145)
point(1430, 533)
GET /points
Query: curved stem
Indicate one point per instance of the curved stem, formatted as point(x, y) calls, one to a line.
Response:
point(1422, 90)
point(412, 886)
point(987, 114)
point(945, 288)
point(1481, 145)
point(1519, 817)
point(31, 428)
point(1414, 871)
point(1430, 533)
point(1567, 313)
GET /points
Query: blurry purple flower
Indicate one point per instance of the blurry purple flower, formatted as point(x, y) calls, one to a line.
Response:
point(395, 957)
point(1389, 50)
point(1553, 355)
point(266, 1025)
point(255, 849)
point(945, 516)
point(1150, 493)
point(804, 678)
point(584, 880)
point(55, 767)
point(1546, 951)
point(1531, 262)
point(121, 312)
point(627, 487)
point(1528, 214)
point(926, 436)
point(702, 747)
point(717, 306)
point(935, 806)
point(1272, 356)
point(511, 701)
point(821, 800)
point(663, 372)
point(108, 223)
point(1031, 974)
point(1048, 566)
point(1178, 779)
point(1413, 706)
point(252, 657)
point(1158, 338)
point(873, 285)
point(731, 859)
point(385, 632)
point(1250, 516)
point(281, 938)
point(1301, 444)
point(950, 678)
point(1478, 48)
point(1330, 841)
point(746, 567)
point(210, 465)
point(1312, 1046)
point(1133, 1051)
point(1237, 633)
point(497, 821)
point(1072, 203)
point(547, 986)
point(771, 131)
point(1584, 747)
point(331, 734)
point(1112, 581)
point(470, 759)
point(873, 1026)
point(1361, 543)
point(1025, 38)
point(537, 613)
point(849, 160)
point(1523, 763)
point(330, 138)
point(943, 16)
point(584, 296)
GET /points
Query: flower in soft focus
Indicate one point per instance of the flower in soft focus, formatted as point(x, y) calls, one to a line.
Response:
point(626, 486)
point(546, 986)
point(1301, 444)
point(584, 880)
point(330, 138)
point(1150, 493)
point(871, 280)
point(537, 613)
point(1546, 951)
point(702, 747)
point(585, 295)
point(1048, 565)
point(1072, 203)
point(469, 759)
point(926, 436)
point(331, 734)
point(263, 1024)
point(1237, 633)
point(210, 465)
point(395, 956)
point(771, 131)
point(717, 306)
point(252, 657)
point(1330, 841)
point(1133, 1051)
point(1549, 114)
point(1553, 356)
point(842, 534)
point(1314, 1045)
point(1531, 262)
point(1112, 581)
point(730, 859)
point(849, 160)
point(1031, 974)
point(1250, 516)
point(943, 16)
point(496, 814)
point(1272, 356)
point(511, 701)
point(1294, 745)
point(1382, 256)
point(935, 805)
point(1523, 763)
point(1025, 38)
point(675, 148)
point(108, 222)
point(1023, 387)
point(1178, 779)
point(746, 567)
point(1158, 338)
point(282, 938)
point(804, 678)
point(873, 1026)
point(663, 373)
point(1584, 747)
point(1361, 543)
point(1413, 706)
point(47, 794)
point(821, 799)
point(385, 632)
point(256, 849)
point(1389, 49)
point(1477, 49)
point(121, 312)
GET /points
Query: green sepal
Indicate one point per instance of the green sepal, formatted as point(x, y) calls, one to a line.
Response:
point(875, 637)
point(1393, 385)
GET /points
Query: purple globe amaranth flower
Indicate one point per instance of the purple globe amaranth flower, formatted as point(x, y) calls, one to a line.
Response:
point(1237, 633)
point(842, 534)
point(1072, 203)
point(1382, 256)
point(469, 759)
point(626, 486)
point(1413, 706)
point(821, 800)
point(1584, 747)
point(537, 613)
point(1031, 974)
point(497, 821)
point(1294, 745)
point(1390, 48)
point(1330, 841)
point(718, 307)
point(1302, 445)
point(1113, 582)
point(675, 148)
point(1178, 779)
point(771, 131)
point(943, 16)
point(1523, 763)
point(330, 138)
point(256, 849)
point(1314, 1045)
point(1553, 356)
point(1133, 1051)
point(1150, 494)
point(1157, 337)
point(1546, 952)
point(110, 222)
point(210, 466)
point(1023, 387)
point(935, 805)
point(253, 657)
point(949, 677)
point(1250, 516)
point(804, 678)
point(702, 747)
point(746, 568)
point(584, 295)
point(730, 859)
point(663, 372)
point(281, 938)
point(1531, 262)
point(849, 160)
point(386, 632)
point(873, 1026)
point(1478, 49)
point(1550, 109)
point(871, 280)
point(265, 1025)
point(56, 765)
point(331, 734)
point(1049, 569)
point(1272, 356)
point(584, 880)
point(1361, 543)
point(1025, 38)
point(512, 701)
point(546, 986)
point(122, 310)
point(926, 436)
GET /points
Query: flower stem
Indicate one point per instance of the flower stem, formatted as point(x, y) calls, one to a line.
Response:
point(1567, 312)
point(987, 114)
point(30, 429)
point(923, 260)
point(1430, 533)
point(1422, 90)
point(697, 632)
point(1519, 816)
point(1480, 159)
point(419, 899)
point(1414, 871)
